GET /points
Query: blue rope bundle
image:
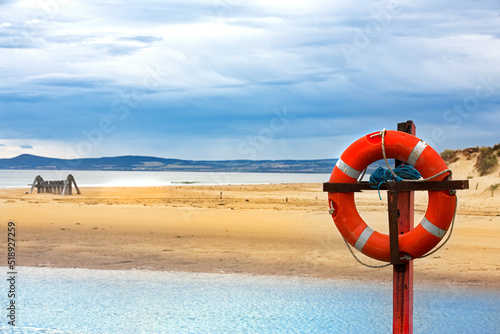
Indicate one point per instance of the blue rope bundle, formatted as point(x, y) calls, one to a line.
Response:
point(404, 172)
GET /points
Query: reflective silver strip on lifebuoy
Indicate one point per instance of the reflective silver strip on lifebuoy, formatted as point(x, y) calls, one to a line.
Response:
point(348, 169)
point(415, 153)
point(363, 238)
point(432, 229)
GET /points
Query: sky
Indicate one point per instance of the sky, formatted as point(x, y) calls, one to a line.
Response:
point(244, 79)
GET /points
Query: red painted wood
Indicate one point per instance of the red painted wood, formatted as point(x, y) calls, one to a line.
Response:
point(403, 275)
point(403, 280)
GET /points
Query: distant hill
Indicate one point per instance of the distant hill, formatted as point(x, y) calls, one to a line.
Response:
point(143, 163)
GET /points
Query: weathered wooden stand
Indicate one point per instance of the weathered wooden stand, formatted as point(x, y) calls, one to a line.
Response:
point(401, 210)
point(58, 187)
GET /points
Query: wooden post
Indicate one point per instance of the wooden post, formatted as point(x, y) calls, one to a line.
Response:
point(74, 183)
point(67, 189)
point(36, 183)
point(402, 319)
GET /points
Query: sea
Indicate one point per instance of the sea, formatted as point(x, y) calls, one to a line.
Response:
point(54, 300)
point(23, 178)
point(51, 300)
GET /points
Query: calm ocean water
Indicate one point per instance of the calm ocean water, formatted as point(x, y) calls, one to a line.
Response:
point(101, 301)
point(21, 178)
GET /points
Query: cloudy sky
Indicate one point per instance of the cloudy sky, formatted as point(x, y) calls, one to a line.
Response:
point(244, 79)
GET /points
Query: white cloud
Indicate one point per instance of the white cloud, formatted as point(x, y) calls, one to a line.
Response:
point(235, 60)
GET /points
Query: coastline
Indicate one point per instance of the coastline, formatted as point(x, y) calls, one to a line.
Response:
point(280, 230)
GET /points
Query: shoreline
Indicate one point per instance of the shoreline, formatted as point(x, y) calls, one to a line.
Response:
point(142, 179)
point(270, 230)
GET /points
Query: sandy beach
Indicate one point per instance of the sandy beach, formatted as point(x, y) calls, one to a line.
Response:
point(281, 229)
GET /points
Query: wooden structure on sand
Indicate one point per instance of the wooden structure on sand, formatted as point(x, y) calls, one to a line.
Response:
point(58, 187)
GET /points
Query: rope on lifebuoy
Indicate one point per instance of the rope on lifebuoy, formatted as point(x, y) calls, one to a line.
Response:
point(449, 234)
point(361, 262)
point(421, 147)
point(407, 257)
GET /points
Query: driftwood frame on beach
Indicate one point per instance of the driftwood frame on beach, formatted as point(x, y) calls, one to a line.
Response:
point(58, 187)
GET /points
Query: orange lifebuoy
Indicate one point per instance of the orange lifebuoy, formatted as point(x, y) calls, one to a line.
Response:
point(410, 149)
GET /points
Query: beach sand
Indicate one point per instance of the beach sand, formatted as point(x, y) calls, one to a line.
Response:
point(281, 229)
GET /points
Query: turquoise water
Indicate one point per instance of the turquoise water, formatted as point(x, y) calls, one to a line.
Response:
point(101, 301)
